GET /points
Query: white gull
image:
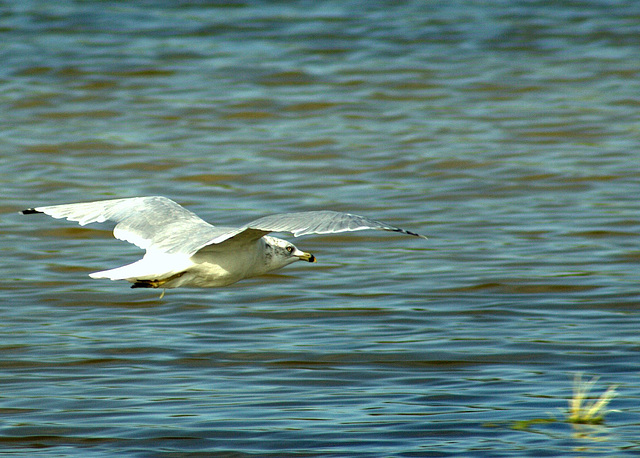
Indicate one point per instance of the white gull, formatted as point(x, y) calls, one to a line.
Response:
point(184, 250)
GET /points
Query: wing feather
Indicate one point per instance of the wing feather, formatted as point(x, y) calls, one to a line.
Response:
point(303, 223)
point(161, 225)
point(152, 223)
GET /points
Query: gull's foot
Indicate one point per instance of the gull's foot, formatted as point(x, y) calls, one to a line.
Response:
point(155, 283)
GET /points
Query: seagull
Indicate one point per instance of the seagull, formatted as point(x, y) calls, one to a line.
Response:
point(182, 250)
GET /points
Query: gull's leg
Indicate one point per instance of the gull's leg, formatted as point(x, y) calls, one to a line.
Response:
point(155, 283)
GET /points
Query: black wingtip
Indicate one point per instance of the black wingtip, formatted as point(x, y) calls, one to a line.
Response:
point(404, 231)
point(30, 211)
point(415, 234)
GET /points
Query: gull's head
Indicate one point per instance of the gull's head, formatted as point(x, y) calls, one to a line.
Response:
point(283, 253)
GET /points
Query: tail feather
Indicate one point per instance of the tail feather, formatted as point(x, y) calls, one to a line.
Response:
point(147, 268)
point(132, 271)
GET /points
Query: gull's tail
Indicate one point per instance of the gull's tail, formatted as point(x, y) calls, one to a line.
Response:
point(155, 268)
point(131, 272)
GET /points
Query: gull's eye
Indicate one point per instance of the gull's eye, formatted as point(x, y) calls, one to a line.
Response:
point(289, 249)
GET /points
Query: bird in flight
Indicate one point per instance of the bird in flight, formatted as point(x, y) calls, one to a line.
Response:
point(184, 250)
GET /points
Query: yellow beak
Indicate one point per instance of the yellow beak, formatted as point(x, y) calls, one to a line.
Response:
point(307, 257)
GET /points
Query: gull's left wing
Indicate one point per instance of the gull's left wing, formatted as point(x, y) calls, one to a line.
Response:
point(152, 223)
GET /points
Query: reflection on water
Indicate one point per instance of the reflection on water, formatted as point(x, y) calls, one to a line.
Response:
point(507, 133)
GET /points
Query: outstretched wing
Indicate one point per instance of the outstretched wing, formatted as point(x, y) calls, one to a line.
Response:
point(152, 223)
point(159, 224)
point(303, 223)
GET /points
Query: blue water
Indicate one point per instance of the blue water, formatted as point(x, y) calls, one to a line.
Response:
point(508, 132)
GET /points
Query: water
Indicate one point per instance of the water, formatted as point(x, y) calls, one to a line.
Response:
point(507, 132)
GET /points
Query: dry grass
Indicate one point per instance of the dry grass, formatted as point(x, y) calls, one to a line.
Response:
point(585, 409)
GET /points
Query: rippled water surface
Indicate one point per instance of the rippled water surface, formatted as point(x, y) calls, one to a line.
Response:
point(508, 132)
